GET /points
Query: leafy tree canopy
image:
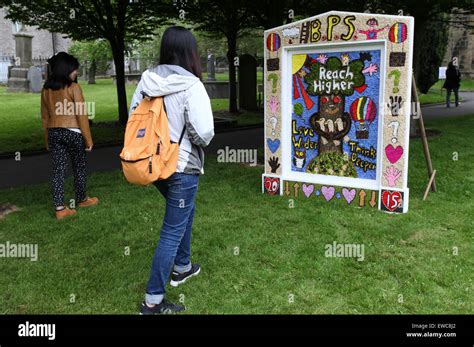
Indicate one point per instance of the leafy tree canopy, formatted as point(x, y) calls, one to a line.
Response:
point(335, 76)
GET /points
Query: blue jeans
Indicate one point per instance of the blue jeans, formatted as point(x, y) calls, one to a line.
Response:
point(174, 246)
point(448, 96)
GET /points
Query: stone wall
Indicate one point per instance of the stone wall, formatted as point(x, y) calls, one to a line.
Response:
point(42, 40)
point(461, 45)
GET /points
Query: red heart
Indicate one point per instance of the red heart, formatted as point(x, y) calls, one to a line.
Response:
point(392, 200)
point(272, 185)
point(393, 154)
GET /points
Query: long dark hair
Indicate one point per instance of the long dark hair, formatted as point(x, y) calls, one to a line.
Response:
point(60, 67)
point(179, 47)
point(451, 66)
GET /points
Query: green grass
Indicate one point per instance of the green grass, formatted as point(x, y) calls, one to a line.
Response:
point(20, 116)
point(433, 97)
point(249, 118)
point(281, 249)
point(21, 119)
point(438, 95)
point(224, 76)
point(467, 85)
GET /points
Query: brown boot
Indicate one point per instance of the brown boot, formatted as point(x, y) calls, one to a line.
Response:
point(65, 213)
point(89, 202)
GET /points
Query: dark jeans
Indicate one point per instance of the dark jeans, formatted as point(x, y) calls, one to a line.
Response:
point(174, 246)
point(456, 96)
point(64, 143)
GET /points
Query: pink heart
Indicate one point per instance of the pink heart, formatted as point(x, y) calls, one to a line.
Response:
point(349, 195)
point(308, 190)
point(393, 154)
point(328, 192)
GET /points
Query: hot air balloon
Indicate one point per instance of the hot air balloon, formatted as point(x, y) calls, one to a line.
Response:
point(273, 45)
point(398, 33)
point(273, 42)
point(363, 112)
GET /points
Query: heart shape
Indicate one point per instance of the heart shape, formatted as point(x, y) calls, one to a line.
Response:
point(308, 189)
point(273, 145)
point(393, 154)
point(392, 200)
point(272, 185)
point(328, 192)
point(349, 195)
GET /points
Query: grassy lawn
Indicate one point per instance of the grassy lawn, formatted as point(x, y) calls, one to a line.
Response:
point(280, 249)
point(21, 120)
point(438, 95)
point(467, 85)
point(224, 76)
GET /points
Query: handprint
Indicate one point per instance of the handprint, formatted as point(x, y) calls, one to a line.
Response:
point(371, 69)
point(395, 105)
point(322, 58)
point(392, 175)
point(273, 104)
point(273, 162)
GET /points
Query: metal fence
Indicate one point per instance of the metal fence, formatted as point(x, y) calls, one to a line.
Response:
point(137, 65)
point(5, 62)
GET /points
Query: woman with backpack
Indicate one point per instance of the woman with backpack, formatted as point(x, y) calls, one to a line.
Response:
point(452, 83)
point(67, 132)
point(178, 80)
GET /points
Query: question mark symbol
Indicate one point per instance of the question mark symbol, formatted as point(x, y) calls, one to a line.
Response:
point(274, 78)
point(396, 80)
point(394, 125)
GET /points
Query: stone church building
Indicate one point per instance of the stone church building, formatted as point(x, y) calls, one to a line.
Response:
point(44, 43)
point(461, 45)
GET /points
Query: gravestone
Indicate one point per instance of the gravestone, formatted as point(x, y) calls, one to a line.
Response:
point(18, 79)
point(35, 79)
point(211, 67)
point(218, 89)
point(248, 82)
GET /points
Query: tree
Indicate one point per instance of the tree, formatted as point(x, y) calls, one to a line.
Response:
point(332, 82)
point(116, 21)
point(272, 13)
point(93, 53)
point(335, 67)
point(432, 22)
point(223, 18)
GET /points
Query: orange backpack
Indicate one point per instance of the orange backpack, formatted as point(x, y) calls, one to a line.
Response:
point(148, 154)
